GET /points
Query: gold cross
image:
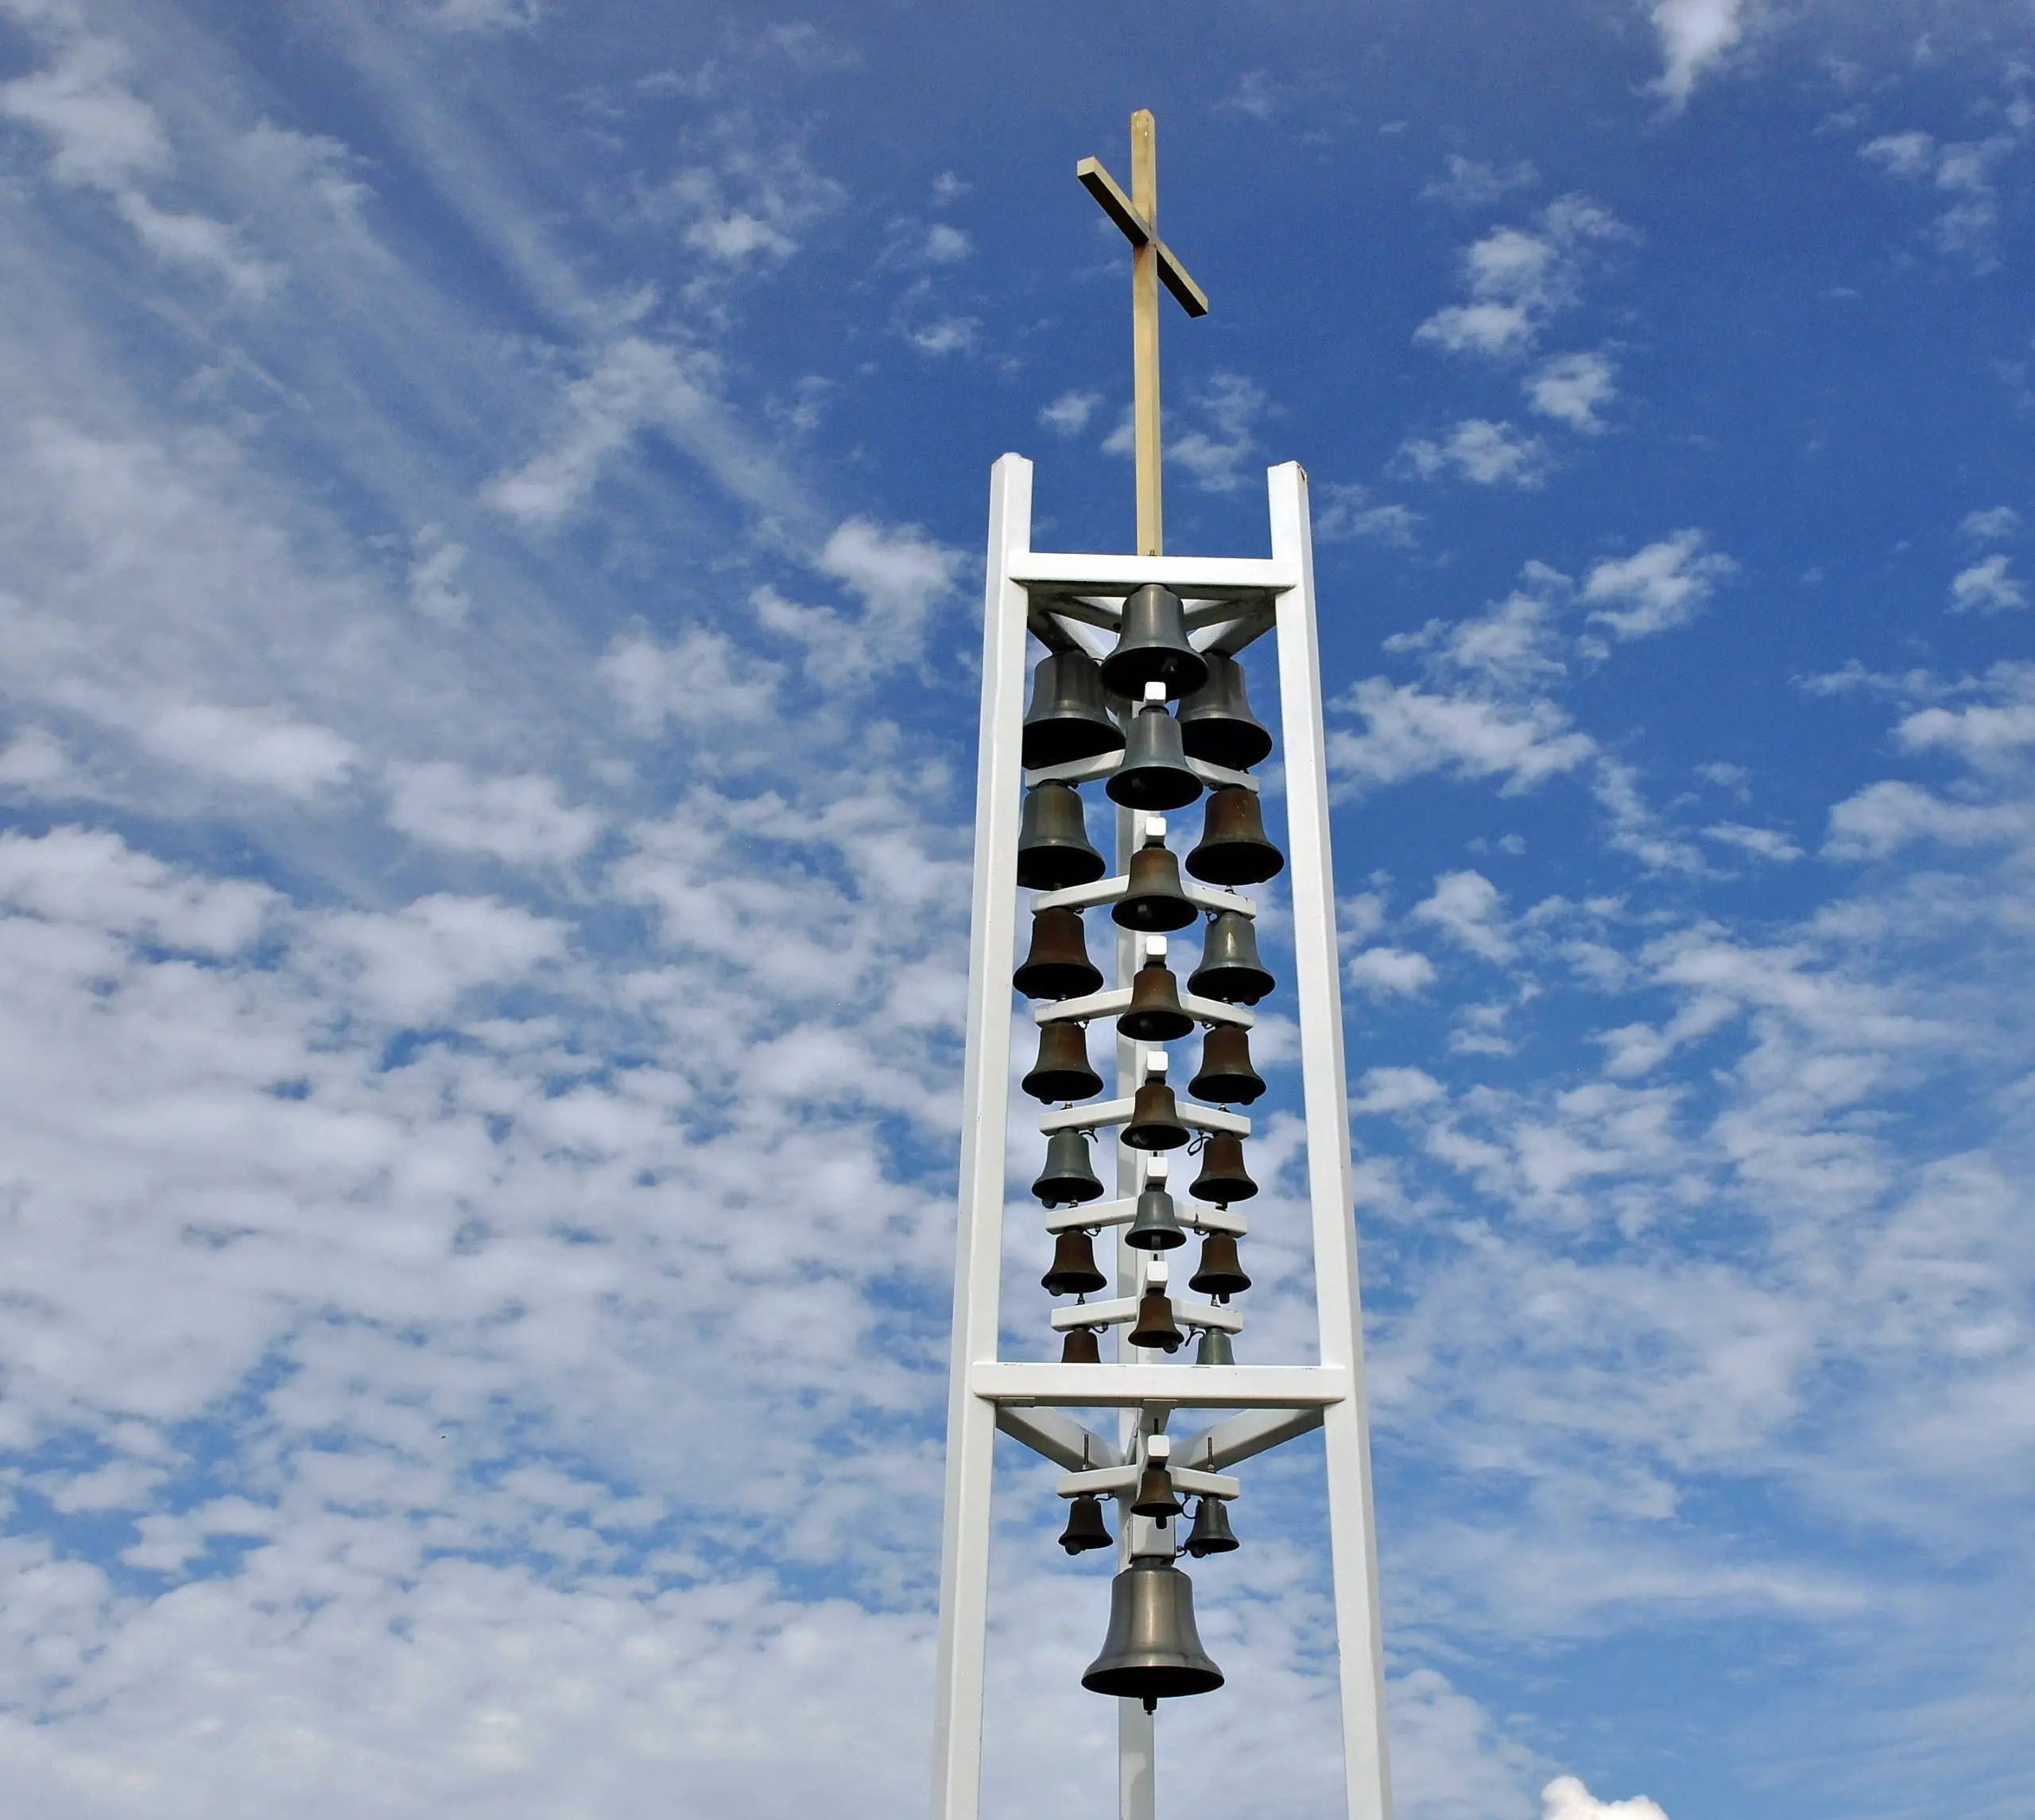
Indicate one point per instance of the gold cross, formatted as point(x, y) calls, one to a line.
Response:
point(1152, 261)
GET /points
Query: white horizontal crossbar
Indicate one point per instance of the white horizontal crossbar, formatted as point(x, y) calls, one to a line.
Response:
point(1192, 1214)
point(1108, 764)
point(1057, 1437)
point(1117, 1112)
point(1109, 1481)
point(1108, 890)
point(1187, 1312)
point(1173, 1386)
point(1117, 1001)
point(1193, 577)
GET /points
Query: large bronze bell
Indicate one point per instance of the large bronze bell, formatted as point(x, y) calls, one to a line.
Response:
point(1152, 1650)
point(1233, 849)
point(1068, 718)
point(1078, 1346)
point(1221, 1275)
point(1156, 1496)
point(1085, 1529)
point(1062, 1070)
point(1074, 1271)
point(1152, 646)
point(1223, 1178)
point(1058, 966)
point(1155, 1014)
point(1067, 1179)
point(1153, 774)
point(1214, 1348)
point(1210, 1535)
point(1216, 722)
point(1154, 900)
point(1227, 1077)
point(1155, 1327)
point(1053, 848)
point(1156, 1225)
point(1230, 967)
point(1154, 1117)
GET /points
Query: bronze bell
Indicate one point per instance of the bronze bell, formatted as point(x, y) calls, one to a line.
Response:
point(1220, 1275)
point(1210, 1535)
point(1085, 1529)
point(1153, 774)
point(1230, 967)
point(1053, 848)
point(1062, 1070)
point(1216, 722)
point(1155, 1014)
point(1154, 901)
point(1154, 1117)
point(1068, 1180)
point(1157, 1226)
point(1156, 1496)
point(1214, 1348)
point(1152, 646)
point(1223, 1178)
point(1058, 966)
point(1074, 1271)
point(1068, 718)
point(1227, 1077)
point(1233, 849)
point(1078, 1346)
point(1152, 1650)
point(1155, 1327)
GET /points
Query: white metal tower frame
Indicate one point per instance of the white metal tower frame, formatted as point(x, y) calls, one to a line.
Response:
point(1231, 601)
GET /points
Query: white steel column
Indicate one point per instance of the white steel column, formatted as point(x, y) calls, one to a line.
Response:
point(985, 1097)
point(1317, 985)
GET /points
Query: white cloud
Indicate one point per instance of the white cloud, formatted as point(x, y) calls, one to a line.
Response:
point(1490, 454)
point(432, 577)
point(1566, 1798)
point(1396, 1090)
point(521, 821)
point(1762, 843)
point(1572, 388)
point(1878, 821)
point(1389, 973)
point(1346, 512)
point(1519, 277)
point(701, 679)
point(1960, 171)
point(1472, 184)
point(1467, 908)
point(1408, 732)
point(750, 208)
point(1654, 589)
point(1218, 440)
point(412, 966)
point(1993, 524)
point(1696, 36)
point(1987, 587)
point(248, 745)
point(1069, 414)
point(949, 334)
point(1985, 733)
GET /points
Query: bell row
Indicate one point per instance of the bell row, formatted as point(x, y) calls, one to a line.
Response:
point(1067, 1179)
point(1158, 1498)
point(1070, 717)
point(1074, 1270)
point(1054, 851)
point(1057, 966)
point(1062, 1074)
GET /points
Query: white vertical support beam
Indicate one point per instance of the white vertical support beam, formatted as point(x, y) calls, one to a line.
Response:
point(985, 1097)
point(1317, 990)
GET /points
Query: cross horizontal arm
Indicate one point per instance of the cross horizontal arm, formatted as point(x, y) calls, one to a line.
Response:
point(1120, 209)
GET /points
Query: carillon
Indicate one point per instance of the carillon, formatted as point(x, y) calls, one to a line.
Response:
point(1140, 674)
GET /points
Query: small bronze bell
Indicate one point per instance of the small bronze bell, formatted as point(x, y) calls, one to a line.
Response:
point(1155, 1327)
point(1227, 1077)
point(1220, 1275)
point(1058, 966)
point(1223, 1178)
point(1210, 1535)
point(1053, 848)
point(1216, 722)
point(1152, 1650)
point(1229, 968)
point(1153, 774)
point(1068, 718)
point(1074, 1271)
point(1155, 1014)
point(1233, 849)
point(1078, 1346)
point(1062, 1071)
point(1156, 1496)
point(1068, 1180)
point(1154, 1117)
point(1157, 1226)
point(1214, 1348)
point(1154, 901)
point(1152, 646)
point(1085, 1529)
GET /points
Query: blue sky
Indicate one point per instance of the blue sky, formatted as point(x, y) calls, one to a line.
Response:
point(492, 494)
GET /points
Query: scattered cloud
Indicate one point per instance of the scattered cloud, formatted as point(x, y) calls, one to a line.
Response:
point(1993, 524)
point(1663, 586)
point(1696, 37)
point(1572, 388)
point(520, 821)
point(1068, 415)
point(1389, 973)
point(1959, 171)
point(1479, 451)
point(1762, 843)
point(1566, 1798)
point(1221, 416)
point(1255, 97)
point(1518, 278)
point(1410, 731)
point(1471, 184)
point(1467, 908)
point(1987, 587)
point(1347, 512)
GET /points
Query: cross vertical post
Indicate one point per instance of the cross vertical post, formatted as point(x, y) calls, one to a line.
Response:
point(1145, 335)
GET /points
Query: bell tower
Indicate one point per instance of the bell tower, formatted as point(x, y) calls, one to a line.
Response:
point(1141, 687)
